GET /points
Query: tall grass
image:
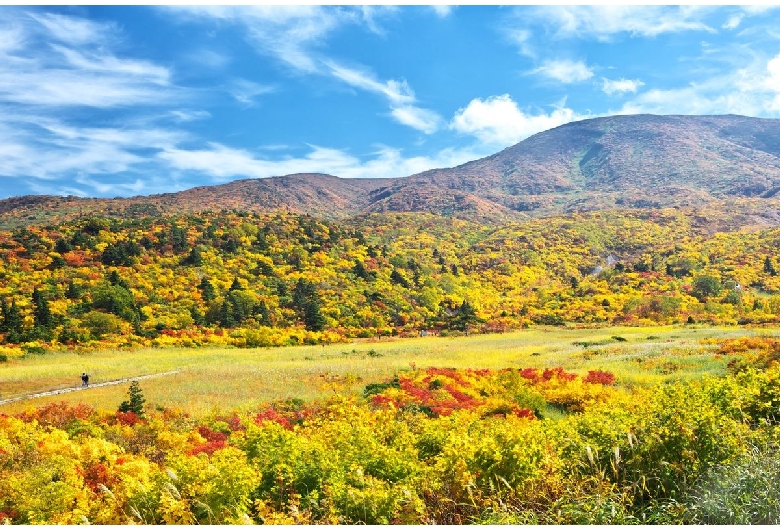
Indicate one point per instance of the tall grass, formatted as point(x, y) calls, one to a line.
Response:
point(213, 378)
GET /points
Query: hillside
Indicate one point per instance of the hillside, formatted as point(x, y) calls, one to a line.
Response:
point(635, 161)
point(614, 162)
point(274, 279)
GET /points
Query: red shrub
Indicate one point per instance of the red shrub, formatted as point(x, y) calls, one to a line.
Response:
point(599, 377)
point(208, 448)
point(96, 474)
point(127, 418)
point(271, 415)
point(58, 415)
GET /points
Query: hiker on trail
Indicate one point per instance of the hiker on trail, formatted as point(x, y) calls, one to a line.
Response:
point(84, 380)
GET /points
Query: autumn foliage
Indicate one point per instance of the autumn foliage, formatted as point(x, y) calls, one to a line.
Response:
point(255, 280)
point(435, 445)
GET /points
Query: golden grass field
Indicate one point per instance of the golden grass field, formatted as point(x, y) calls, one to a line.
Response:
point(221, 379)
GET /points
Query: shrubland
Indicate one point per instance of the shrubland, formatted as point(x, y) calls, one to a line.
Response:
point(434, 445)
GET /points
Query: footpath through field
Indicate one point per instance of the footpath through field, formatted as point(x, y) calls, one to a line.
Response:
point(79, 387)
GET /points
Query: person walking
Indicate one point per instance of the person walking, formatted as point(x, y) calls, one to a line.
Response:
point(84, 380)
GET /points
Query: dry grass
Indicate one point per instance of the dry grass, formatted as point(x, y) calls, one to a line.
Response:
point(223, 378)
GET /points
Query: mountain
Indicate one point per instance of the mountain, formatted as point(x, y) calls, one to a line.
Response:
point(631, 161)
point(634, 161)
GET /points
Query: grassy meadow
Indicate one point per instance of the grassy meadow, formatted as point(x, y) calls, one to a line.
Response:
point(222, 379)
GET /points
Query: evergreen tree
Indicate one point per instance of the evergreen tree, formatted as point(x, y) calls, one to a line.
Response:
point(312, 316)
point(360, 271)
point(4, 310)
point(397, 277)
point(262, 315)
point(769, 268)
point(61, 246)
point(235, 286)
point(194, 258)
point(178, 239)
point(207, 290)
point(41, 312)
point(135, 401)
point(306, 300)
point(13, 324)
point(72, 293)
point(115, 279)
point(464, 317)
point(226, 319)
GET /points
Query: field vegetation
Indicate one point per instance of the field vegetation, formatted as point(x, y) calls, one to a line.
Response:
point(620, 425)
point(608, 367)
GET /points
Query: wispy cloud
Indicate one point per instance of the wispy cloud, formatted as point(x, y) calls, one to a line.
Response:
point(189, 115)
point(81, 71)
point(620, 86)
point(564, 71)
point(245, 91)
point(290, 33)
point(602, 22)
point(293, 34)
point(398, 93)
point(72, 30)
point(498, 121)
point(222, 163)
point(752, 90)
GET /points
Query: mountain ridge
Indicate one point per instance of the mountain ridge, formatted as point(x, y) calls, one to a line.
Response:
point(620, 161)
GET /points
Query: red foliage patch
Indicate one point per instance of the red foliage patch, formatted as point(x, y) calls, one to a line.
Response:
point(211, 436)
point(214, 441)
point(58, 415)
point(127, 418)
point(95, 474)
point(599, 377)
point(271, 415)
point(10, 515)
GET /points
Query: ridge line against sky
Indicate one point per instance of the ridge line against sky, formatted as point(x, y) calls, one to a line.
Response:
point(128, 100)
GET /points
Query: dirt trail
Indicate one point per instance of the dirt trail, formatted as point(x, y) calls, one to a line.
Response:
point(79, 388)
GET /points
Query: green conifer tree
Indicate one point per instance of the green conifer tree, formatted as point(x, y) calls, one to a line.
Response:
point(135, 401)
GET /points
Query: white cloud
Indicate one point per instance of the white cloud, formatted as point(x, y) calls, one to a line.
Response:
point(522, 38)
point(292, 33)
point(82, 73)
point(565, 71)
point(289, 33)
point(223, 163)
point(500, 122)
point(245, 91)
point(189, 115)
point(603, 21)
point(421, 119)
point(398, 93)
point(11, 39)
point(41, 148)
point(734, 21)
point(73, 30)
point(620, 86)
point(753, 90)
point(104, 63)
point(442, 11)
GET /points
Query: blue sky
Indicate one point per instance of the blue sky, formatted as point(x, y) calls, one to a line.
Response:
point(108, 101)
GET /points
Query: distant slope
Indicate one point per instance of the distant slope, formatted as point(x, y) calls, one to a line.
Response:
point(633, 161)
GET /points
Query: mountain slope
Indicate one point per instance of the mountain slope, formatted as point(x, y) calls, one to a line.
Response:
point(618, 161)
point(640, 160)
